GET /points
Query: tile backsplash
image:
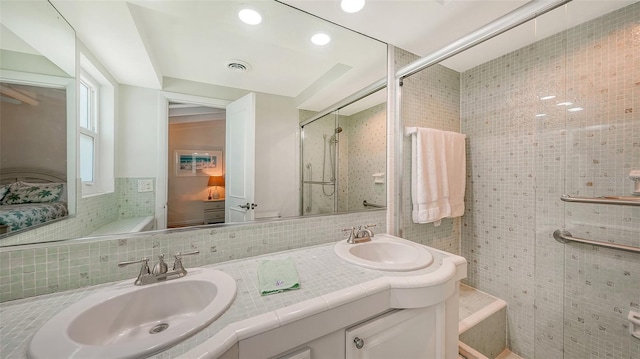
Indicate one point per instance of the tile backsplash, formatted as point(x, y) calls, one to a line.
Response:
point(40, 269)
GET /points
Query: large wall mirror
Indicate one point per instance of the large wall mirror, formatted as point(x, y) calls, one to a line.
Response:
point(37, 116)
point(181, 57)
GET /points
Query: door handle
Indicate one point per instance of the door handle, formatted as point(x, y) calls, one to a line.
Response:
point(248, 206)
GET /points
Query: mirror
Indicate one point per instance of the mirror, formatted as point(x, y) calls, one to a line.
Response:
point(179, 51)
point(344, 160)
point(37, 70)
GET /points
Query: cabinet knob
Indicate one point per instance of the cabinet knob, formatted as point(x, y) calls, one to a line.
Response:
point(358, 342)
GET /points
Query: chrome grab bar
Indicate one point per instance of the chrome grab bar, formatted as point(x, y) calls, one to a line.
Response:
point(563, 236)
point(330, 183)
point(619, 200)
point(367, 204)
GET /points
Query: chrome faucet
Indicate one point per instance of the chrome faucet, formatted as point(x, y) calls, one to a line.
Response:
point(365, 232)
point(160, 270)
point(360, 236)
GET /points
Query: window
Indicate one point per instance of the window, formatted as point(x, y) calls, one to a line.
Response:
point(89, 119)
point(96, 128)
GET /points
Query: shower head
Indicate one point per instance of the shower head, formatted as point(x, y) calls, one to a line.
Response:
point(333, 138)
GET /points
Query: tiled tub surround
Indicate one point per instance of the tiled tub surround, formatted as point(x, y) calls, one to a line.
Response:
point(330, 287)
point(570, 300)
point(37, 269)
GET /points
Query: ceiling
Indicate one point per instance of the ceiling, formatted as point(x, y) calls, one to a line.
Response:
point(425, 26)
point(143, 42)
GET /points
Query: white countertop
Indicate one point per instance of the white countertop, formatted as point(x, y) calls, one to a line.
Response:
point(325, 280)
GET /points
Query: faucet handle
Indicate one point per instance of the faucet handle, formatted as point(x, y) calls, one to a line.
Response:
point(369, 225)
point(144, 270)
point(352, 234)
point(182, 254)
point(177, 264)
point(144, 261)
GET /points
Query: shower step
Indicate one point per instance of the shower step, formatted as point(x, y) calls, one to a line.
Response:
point(482, 327)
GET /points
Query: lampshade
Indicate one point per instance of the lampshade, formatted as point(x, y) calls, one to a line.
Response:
point(216, 181)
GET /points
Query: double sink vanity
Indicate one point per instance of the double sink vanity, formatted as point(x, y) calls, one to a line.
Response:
point(371, 298)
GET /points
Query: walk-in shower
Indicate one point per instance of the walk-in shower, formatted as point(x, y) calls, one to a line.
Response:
point(340, 152)
point(552, 136)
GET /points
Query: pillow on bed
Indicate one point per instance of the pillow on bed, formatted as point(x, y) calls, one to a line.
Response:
point(23, 192)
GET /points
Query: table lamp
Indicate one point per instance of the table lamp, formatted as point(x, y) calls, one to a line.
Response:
point(215, 181)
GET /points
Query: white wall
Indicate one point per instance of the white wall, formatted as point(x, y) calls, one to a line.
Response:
point(137, 140)
point(277, 155)
point(34, 136)
point(139, 132)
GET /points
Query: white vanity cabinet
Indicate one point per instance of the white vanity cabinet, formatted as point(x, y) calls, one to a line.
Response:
point(407, 333)
point(398, 333)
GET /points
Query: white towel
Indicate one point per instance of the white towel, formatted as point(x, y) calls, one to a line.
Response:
point(438, 171)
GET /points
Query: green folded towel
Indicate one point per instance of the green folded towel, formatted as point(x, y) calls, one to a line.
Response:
point(277, 276)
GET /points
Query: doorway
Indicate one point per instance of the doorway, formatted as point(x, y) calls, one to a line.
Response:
point(196, 142)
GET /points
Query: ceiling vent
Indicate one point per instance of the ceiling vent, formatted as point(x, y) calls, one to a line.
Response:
point(238, 66)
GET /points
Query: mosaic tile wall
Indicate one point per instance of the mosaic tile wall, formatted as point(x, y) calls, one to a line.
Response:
point(430, 98)
point(132, 203)
point(26, 272)
point(566, 301)
point(367, 155)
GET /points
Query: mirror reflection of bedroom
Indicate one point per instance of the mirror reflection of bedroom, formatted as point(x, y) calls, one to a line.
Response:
point(32, 167)
point(196, 189)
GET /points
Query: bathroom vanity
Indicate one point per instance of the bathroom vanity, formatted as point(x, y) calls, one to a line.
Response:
point(341, 310)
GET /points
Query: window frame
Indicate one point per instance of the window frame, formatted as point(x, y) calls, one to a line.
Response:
point(94, 121)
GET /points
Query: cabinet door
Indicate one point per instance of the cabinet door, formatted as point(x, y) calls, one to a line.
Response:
point(400, 334)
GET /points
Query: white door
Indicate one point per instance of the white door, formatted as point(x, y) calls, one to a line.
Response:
point(401, 334)
point(240, 159)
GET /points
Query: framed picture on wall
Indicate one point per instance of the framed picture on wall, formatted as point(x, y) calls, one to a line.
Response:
point(191, 163)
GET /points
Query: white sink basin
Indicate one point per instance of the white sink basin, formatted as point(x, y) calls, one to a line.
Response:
point(118, 321)
point(385, 252)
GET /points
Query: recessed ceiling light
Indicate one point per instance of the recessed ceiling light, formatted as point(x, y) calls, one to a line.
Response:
point(250, 16)
point(320, 39)
point(565, 103)
point(547, 97)
point(575, 109)
point(541, 115)
point(238, 66)
point(352, 6)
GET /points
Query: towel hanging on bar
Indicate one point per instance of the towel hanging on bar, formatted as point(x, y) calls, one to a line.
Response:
point(438, 174)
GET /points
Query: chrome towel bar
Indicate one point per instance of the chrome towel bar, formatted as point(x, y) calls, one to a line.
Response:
point(565, 237)
point(367, 204)
point(619, 200)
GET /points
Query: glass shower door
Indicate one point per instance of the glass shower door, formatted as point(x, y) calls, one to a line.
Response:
point(319, 165)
